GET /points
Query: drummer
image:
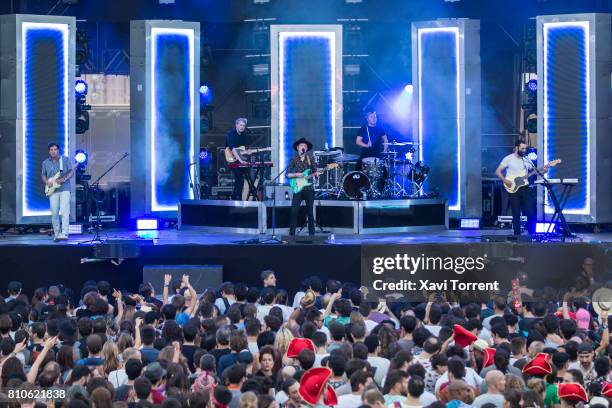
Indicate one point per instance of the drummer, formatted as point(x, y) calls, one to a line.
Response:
point(371, 137)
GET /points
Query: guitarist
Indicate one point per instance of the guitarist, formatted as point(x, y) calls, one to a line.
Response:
point(296, 168)
point(59, 200)
point(522, 201)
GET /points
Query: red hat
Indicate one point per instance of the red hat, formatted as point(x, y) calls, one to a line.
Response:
point(607, 390)
point(298, 344)
point(463, 337)
point(572, 315)
point(573, 392)
point(540, 365)
point(489, 353)
point(314, 383)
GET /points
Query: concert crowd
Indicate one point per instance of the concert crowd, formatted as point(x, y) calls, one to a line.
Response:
point(330, 344)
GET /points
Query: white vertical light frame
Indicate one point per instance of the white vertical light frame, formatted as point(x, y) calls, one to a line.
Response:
point(64, 30)
point(155, 33)
point(455, 32)
point(546, 27)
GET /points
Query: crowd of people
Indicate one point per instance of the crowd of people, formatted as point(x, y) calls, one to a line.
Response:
point(331, 344)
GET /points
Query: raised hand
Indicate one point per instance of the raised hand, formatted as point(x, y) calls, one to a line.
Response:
point(167, 279)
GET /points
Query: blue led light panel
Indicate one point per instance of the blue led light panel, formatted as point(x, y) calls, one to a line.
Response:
point(566, 107)
point(45, 107)
point(439, 135)
point(172, 126)
point(306, 90)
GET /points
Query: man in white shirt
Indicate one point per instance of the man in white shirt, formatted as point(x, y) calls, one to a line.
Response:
point(517, 165)
point(359, 381)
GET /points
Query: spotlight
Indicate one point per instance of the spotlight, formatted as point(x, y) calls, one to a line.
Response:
point(545, 227)
point(147, 224)
point(80, 87)
point(204, 90)
point(532, 154)
point(532, 85)
point(408, 88)
point(81, 157)
point(469, 223)
point(82, 121)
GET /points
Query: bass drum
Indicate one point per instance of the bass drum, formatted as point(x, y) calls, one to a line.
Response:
point(355, 183)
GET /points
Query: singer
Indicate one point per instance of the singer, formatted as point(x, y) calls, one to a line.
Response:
point(296, 169)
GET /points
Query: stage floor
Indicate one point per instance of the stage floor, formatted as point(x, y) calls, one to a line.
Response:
point(195, 237)
point(35, 260)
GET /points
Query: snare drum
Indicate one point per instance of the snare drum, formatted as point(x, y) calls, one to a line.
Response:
point(355, 184)
point(372, 167)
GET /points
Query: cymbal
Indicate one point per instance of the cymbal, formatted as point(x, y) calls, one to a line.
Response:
point(399, 143)
point(347, 157)
point(326, 152)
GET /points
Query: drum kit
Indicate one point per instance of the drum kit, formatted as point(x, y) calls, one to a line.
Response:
point(386, 177)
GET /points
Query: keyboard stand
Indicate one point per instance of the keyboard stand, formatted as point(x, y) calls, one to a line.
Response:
point(559, 204)
point(251, 179)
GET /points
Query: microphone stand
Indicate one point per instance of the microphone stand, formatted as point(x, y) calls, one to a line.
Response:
point(97, 227)
point(274, 239)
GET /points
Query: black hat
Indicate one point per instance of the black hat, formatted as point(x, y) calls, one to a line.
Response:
point(300, 141)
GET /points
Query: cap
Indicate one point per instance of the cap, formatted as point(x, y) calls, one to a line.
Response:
point(298, 344)
point(489, 354)
point(463, 337)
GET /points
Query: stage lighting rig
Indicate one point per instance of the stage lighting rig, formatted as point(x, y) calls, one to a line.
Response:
point(82, 115)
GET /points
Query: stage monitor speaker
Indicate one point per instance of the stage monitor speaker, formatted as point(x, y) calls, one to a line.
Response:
point(574, 110)
point(164, 114)
point(36, 107)
point(201, 277)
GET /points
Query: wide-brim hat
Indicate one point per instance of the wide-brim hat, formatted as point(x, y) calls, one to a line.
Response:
point(297, 344)
point(573, 392)
point(300, 141)
point(308, 300)
point(606, 391)
point(602, 301)
point(539, 366)
point(314, 383)
point(462, 336)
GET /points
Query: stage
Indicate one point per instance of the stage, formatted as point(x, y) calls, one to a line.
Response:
point(36, 260)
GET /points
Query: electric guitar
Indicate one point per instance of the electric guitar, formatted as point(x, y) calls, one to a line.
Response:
point(298, 183)
point(522, 179)
point(54, 184)
point(243, 151)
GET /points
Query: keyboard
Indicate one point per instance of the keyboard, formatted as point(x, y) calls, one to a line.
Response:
point(566, 181)
point(249, 165)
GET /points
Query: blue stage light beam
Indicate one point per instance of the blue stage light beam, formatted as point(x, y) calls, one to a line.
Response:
point(454, 205)
point(285, 39)
point(156, 132)
point(403, 103)
point(554, 34)
point(29, 30)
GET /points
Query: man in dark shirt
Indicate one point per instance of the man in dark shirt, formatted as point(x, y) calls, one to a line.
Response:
point(296, 169)
point(371, 137)
point(235, 138)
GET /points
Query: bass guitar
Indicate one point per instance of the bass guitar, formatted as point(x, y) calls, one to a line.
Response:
point(242, 152)
point(54, 184)
point(522, 180)
point(297, 184)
